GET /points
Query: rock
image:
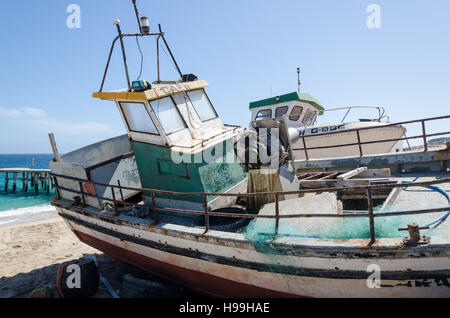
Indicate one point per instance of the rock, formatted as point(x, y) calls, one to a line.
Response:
point(41, 292)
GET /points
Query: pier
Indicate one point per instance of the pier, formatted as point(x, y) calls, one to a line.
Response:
point(33, 179)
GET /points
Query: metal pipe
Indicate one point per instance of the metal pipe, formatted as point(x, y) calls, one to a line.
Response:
point(304, 146)
point(123, 35)
point(155, 216)
point(384, 126)
point(120, 190)
point(80, 185)
point(425, 146)
point(116, 212)
point(157, 58)
point(372, 141)
point(58, 194)
point(289, 216)
point(371, 219)
point(170, 52)
point(205, 202)
point(359, 143)
point(277, 214)
point(345, 115)
point(107, 63)
point(319, 190)
point(123, 55)
point(253, 216)
point(137, 15)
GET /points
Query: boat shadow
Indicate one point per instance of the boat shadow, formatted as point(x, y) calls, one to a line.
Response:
point(23, 284)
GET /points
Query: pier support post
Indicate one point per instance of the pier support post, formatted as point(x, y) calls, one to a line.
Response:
point(36, 183)
point(37, 178)
point(14, 181)
point(6, 181)
point(26, 182)
point(47, 182)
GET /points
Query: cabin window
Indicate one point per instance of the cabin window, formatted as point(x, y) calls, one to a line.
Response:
point(202, 105)
point(308, 119)
point(264, 114)
point(280, 111)
point(183, 103)
point(137, 118)
point(295, 113)
point(168, 115)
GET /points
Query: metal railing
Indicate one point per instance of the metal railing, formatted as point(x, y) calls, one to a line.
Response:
point(360, 143)
point(207, 213)
point(381, 111)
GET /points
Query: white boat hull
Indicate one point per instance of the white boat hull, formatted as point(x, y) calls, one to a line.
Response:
point(234, 268)
point(348, 137)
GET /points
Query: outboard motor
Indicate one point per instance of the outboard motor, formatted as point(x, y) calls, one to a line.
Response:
point(263, 152)
point(266, 144)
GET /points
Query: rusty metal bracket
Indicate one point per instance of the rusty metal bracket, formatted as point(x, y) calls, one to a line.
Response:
point(415, 238)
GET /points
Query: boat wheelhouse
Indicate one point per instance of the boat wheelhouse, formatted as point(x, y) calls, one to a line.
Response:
point(174, 132)
point(301, 109)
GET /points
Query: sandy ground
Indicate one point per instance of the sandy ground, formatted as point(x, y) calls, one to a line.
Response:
point(31, 253)
point(33, 245)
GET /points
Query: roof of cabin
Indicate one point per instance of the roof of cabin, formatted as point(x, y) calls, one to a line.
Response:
point(157, 91)
point(295, 96)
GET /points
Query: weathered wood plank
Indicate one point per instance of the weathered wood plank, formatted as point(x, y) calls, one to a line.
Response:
point(376, 173)
point(54, 148)
point(351, 173)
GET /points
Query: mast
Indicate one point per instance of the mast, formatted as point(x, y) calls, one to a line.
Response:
point(136, 10)
point(144, 30)
point(298, 79)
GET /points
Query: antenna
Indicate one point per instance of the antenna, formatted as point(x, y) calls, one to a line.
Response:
point(298, 79)
point(144, 25)
point(137, 15)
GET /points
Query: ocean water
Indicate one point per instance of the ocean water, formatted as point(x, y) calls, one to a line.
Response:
point(21, 204)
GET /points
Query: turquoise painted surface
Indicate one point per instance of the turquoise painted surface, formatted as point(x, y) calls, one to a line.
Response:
point(157, 171)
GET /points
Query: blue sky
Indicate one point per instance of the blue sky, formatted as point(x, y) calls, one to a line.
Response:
point(247, 50)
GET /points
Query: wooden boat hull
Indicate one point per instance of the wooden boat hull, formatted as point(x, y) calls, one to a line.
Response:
point(235, 270)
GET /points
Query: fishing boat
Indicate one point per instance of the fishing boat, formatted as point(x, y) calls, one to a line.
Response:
point(301, 111)
point(173, 198)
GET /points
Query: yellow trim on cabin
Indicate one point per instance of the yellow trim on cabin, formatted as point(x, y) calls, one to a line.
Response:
point(153, 93)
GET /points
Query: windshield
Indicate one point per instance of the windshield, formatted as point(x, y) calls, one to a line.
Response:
point(202, 105)
point(168, 115)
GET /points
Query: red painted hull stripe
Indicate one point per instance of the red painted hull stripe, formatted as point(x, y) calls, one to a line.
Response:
point(199, 281)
